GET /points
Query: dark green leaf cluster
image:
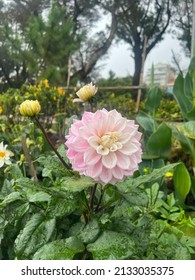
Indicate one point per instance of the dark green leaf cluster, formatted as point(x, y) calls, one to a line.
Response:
point(52, 219)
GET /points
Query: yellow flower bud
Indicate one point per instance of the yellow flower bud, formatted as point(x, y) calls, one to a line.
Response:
point(30, 108)
point(85, 93)
point(146, 170)
point(1, 110)
point(169, 174)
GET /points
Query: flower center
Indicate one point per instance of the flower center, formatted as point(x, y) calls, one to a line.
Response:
point(109, 143)
point(2, 154)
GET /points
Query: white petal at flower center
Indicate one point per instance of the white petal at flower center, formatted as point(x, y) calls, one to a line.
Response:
point(109, 143)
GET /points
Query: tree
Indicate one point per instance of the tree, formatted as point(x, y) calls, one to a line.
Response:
point(12, 62)
point(20, 11)
point(38, 50)
point(52, 43)
point(85, 14)
point(141, 18)
point(45, 39)
point(183, 22)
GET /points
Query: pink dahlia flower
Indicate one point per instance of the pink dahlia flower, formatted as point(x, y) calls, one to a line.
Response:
point(104, 146)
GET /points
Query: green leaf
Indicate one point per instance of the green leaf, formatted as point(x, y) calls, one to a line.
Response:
point(191, 114)
point(182, 182)
point(54, 164)
point(184, 140)
point(184, 103)
point(147, 165)
point(182, 253)
point(47, 173)
point(26, 183)
point(63, 249)
point(193, 186)
point(188, 129)
point(159, 142)
point(63, 206)
point(7, 187)
point(188, 87)
point(86, 233)
point(152, 177)
point(153, 193)
point(192, 65)
point(146, 122)
point(39, 197)
point(10, 198)
point(62, 151)
point(112, 246)
point(153, 100)
point(136, 196)
point(15, 171)
point(76, 184)
point(36, 233)
point(171, 201)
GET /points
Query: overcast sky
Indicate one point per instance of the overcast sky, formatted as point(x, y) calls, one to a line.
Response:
point(119, 57)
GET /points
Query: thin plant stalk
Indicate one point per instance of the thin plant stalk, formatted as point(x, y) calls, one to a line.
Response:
point(51, 144)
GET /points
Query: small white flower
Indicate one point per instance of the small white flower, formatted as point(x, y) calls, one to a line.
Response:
point(5, 155)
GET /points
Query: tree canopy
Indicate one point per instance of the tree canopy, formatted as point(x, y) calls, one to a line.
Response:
point(53, 39)
point(139, 20)
point(183, 22)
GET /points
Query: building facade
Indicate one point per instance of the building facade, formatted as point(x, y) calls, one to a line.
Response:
point(164, 75)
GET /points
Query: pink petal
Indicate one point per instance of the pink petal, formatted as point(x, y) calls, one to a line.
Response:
point(94, 141)
point(121, 124)
point(84, 132)
point(106, 175)
point(87, 117)
point(110, 160)
point(71, 154)
point(91, 157)
point(129, 149)
point(138, 135)
point(79, 144)
point(78, 162)
point(124, 138)
point(95, 170)
point(117, 173)
point(123, 160)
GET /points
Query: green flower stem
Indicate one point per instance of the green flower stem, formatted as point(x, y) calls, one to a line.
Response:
point(98, 207)
point(50, 143)
point(92, 196)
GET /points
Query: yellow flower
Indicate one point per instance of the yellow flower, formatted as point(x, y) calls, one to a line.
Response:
point(30, 108)
point(29, 142)
point(60, 91)
point(1, 110)
point(54, 98)
point(85, 93)
point(45, 83)
point(39, 88)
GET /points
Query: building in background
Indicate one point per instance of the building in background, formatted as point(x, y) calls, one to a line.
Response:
point(164, 75)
